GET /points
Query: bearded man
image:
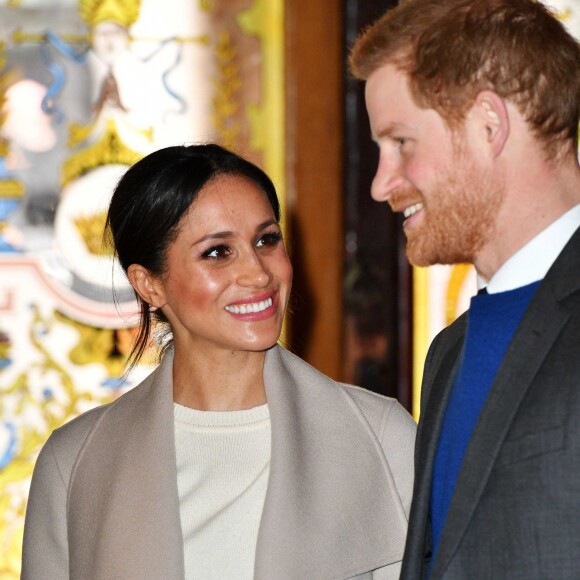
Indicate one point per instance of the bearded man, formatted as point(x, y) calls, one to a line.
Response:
point(474, 105)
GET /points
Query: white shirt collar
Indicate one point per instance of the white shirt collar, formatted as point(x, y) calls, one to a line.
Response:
point(532, 262)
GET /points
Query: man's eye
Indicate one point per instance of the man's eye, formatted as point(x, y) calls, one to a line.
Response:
point(269, 239)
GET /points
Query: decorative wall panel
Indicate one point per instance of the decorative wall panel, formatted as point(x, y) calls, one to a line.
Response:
point(87, 88)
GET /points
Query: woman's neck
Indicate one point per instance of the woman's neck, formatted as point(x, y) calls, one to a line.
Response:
point(218, 380)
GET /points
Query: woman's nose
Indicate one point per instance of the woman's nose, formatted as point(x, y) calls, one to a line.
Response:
point(254, 272)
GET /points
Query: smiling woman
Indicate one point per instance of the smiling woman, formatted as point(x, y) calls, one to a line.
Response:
point(223, 290)
point(235, 458)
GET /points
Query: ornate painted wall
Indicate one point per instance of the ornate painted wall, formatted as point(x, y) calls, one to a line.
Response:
point(88, 87)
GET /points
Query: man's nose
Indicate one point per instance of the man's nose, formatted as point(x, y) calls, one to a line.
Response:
point(387, 177)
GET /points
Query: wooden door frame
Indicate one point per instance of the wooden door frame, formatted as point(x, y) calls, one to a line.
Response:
point(314, 61)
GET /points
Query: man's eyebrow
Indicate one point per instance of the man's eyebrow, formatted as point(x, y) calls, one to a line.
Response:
point(388, 130)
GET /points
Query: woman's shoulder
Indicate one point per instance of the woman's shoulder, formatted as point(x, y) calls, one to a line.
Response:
point(383, 413)
point(380, 412)
point(60, 452)
point(75, 431)
point(395, 430)
point(66, 441)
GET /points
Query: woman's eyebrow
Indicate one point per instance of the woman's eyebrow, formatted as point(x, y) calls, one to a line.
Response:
point(214, 236)
point(229, 234)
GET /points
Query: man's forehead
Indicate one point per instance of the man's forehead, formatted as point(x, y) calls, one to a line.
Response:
point(389, 100)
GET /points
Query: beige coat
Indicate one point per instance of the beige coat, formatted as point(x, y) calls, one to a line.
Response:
point(104, 505)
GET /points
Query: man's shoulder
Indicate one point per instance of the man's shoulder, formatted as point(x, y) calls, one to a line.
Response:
point(450, 335)
point(563, 278)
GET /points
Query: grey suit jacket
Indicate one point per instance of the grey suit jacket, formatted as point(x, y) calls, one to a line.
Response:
point(104, 504)
point(515, 511)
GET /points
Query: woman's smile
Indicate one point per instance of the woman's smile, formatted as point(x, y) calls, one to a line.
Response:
point(263, 305)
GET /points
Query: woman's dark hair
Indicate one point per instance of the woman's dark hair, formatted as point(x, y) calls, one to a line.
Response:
point(149, 202)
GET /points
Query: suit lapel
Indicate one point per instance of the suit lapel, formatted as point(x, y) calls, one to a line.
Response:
point(533, 339)
point(324, 516)
point(440, 371)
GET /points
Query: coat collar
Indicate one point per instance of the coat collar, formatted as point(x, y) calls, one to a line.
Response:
point(124, 488)
point(534, 337)
point(331, 509)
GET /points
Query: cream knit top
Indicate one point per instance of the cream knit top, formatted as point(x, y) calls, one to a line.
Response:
point(223, 463)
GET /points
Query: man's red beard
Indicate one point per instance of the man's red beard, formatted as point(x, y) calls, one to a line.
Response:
point(458, 219)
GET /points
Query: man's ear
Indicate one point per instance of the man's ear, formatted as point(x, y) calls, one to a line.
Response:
point(148, 286)
point(493, 120)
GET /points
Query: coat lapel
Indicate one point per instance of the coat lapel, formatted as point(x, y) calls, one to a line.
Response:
point(534, 337)
point(331, 508)
point(129, 499)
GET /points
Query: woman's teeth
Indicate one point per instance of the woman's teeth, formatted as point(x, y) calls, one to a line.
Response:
point(249, 308)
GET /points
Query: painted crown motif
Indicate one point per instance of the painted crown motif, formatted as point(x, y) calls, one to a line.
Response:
point(123, 12)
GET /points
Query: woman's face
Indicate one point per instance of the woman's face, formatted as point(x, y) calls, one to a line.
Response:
point(228, 276)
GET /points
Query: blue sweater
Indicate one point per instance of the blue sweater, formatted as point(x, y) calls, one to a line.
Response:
point(491, 322)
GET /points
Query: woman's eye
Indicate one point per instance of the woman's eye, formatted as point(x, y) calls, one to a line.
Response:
point(269, 239)
point(216, 252)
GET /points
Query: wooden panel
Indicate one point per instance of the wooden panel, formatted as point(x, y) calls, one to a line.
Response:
point(314, 124)
point(377, 296)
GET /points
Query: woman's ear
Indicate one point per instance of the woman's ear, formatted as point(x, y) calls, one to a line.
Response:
point(493, 117)
point(149, 287)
